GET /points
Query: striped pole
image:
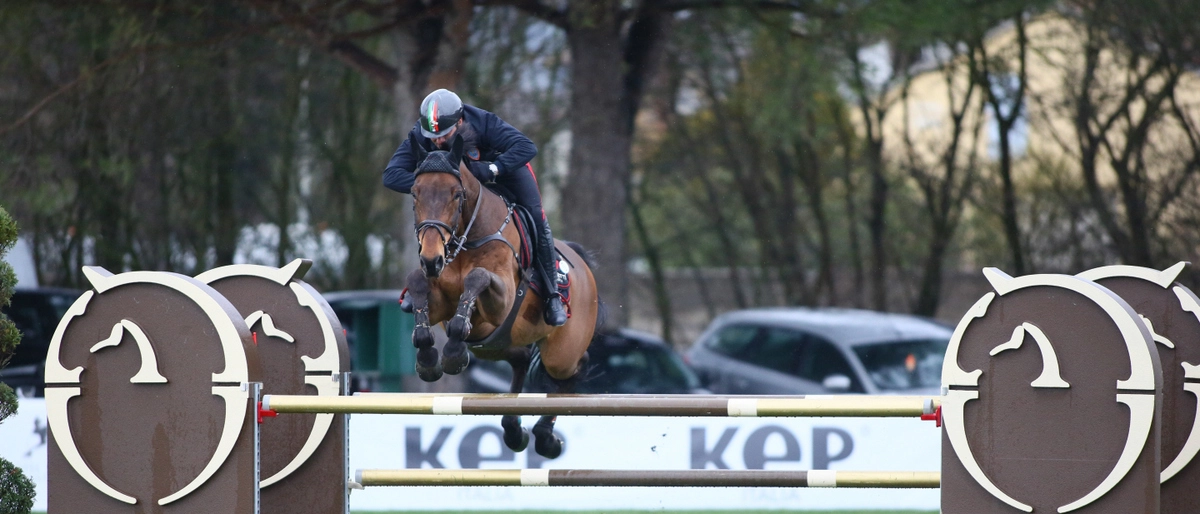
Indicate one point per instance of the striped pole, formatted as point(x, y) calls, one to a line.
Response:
point(643, 478)
point(608, 405)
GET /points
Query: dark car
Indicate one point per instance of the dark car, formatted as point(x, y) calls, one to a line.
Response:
point(820, 351)
point(622, 362)
point(36, 313)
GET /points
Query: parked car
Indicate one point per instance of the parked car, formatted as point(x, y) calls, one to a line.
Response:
point(623, 362)
point(36, 313)
point(820, 351)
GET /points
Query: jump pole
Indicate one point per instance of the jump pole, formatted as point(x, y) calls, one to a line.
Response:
point(646, 478)
point(608, 405)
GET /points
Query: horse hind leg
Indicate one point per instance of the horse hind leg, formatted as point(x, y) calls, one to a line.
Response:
point(516, 438)
point(548, 444)
point(427, 366)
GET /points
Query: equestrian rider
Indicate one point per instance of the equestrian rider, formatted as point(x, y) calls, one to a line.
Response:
point(497, 154)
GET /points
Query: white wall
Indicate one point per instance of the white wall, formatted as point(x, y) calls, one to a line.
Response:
point(21, 259)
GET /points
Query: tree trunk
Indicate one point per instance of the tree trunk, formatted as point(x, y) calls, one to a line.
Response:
point(596, 189)
point(846, 139)
point(1012, 231)
point(877, 224)
point(931, 285)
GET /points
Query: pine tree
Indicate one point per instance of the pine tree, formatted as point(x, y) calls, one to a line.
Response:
point(16, 489)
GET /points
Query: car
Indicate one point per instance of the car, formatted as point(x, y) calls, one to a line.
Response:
point(624, 361)
point(36, 313)
point(820, 351)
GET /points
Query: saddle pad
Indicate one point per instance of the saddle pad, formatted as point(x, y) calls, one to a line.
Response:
point(525, 226)
point(563, 280)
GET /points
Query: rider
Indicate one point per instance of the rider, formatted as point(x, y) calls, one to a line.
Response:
point(495, 153)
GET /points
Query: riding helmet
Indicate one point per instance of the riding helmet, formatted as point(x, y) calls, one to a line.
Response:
point(439, 112)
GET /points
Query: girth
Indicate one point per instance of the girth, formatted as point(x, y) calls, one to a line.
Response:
point(501, 338)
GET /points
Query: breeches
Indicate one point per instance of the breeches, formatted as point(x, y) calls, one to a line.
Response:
point(520, 186)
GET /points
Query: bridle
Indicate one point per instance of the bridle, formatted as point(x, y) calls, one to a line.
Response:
point(448, 233)
point(452, 242)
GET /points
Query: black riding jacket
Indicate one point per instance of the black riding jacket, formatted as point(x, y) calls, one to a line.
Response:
point(488, 138)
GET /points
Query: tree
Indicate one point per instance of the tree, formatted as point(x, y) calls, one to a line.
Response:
point(16, 490)
point(944, 168)
point(1004, 90)
point(748, 167)
point(1136, 144)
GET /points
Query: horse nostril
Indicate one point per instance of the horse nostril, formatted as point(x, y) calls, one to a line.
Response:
point(433, 267)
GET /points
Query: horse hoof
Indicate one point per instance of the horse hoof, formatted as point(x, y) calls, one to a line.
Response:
point(428, 367)
point(429, 374)
point(427, 357)
point(516, 440)
point(422, 338)
point(455, 364)
point(548, 446)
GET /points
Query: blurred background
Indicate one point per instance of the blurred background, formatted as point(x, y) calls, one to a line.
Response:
point(715, 155)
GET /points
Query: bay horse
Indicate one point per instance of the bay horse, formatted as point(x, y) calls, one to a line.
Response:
point(471, 279)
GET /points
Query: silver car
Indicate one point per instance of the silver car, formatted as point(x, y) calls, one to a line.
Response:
point(820, 351)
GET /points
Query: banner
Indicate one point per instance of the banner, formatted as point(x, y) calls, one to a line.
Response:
point(646, 443)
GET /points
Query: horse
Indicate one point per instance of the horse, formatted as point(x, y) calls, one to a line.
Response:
point(471, 279)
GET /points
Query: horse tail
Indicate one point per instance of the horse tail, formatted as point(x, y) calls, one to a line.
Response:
point(589, 258)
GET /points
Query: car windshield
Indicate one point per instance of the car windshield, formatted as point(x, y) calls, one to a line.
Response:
point(896, 365)
point(640, 369)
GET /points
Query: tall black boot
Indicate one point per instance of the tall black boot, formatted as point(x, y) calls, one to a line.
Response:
point(553, 311)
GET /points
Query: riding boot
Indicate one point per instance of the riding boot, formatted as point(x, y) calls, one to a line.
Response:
point(554, 313)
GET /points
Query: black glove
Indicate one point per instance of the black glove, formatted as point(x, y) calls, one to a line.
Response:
point(482, 171)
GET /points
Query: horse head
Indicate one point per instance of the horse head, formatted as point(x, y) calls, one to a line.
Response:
point(440, 197)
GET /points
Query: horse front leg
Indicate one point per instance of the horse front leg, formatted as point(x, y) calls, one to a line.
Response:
point(427, 366)
point(479, 281)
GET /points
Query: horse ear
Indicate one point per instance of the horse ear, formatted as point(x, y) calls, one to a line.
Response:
point(456, 149)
